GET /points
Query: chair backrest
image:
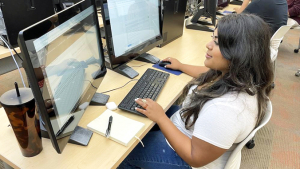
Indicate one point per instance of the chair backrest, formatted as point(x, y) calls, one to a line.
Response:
point(276, 40)
point(234, 160)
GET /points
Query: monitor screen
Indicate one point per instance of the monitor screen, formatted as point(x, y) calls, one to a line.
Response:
point(132, 27)
point(65, 65)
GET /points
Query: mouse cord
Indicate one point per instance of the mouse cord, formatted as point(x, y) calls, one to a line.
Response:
point(120, 87)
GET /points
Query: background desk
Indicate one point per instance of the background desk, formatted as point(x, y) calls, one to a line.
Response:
point(6, 62)
point(101, 152)
point(4, 52)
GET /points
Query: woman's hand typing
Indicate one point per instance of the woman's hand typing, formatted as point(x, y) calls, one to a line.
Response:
point(151, 109)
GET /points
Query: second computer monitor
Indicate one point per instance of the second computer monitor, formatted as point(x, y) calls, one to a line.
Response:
point(132, 27)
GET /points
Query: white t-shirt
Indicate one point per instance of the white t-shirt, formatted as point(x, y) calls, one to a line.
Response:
point(222, 122)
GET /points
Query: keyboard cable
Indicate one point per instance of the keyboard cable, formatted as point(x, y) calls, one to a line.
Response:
point(120, 87)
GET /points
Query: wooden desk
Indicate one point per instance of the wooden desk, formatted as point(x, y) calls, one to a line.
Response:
point(7, 64)
point(102, 152)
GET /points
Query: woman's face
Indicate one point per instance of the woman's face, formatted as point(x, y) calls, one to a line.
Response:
point(214, 59)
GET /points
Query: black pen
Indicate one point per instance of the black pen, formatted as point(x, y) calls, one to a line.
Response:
point(65, 126)
point(109, 126)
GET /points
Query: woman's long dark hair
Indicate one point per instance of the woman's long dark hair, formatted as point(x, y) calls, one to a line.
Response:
point(244, 40)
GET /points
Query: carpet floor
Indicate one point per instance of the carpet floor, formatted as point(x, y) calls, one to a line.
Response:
point(278, 143)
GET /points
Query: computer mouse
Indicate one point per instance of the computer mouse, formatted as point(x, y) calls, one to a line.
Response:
point(111, 106)
point(164, 63)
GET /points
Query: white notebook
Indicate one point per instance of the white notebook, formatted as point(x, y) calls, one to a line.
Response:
point(123, 129)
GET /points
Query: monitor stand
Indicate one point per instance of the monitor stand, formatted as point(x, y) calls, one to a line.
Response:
point(219, 13)
point(196, 26)
point(80, 136)
point(204, 22)
point(146, 57)
point(131, 73)
point(99, 99)
point(126, 71)
point(194, 23)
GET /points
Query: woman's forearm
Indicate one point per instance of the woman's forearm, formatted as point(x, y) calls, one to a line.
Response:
point(193, 71)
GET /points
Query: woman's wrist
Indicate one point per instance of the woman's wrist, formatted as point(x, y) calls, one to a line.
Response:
point(180, 67)
point(162, 120)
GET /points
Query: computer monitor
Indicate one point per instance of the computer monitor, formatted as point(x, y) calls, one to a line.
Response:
point(209, 11)
point(173, 20)
point(132, 27)
point(18, 15)
point(64, 63)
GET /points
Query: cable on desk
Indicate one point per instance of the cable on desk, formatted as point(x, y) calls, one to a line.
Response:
point(120, 87)
point(92, 84)
point(139, 65)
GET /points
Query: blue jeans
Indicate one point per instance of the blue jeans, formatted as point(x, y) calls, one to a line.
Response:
point(156, 154)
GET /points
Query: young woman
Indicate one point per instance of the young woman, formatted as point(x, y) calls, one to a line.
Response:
point(222, 105)
point(265, 9)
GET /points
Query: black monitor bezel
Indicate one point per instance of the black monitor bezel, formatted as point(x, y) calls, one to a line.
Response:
point(27, 64)
point(127, 57)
